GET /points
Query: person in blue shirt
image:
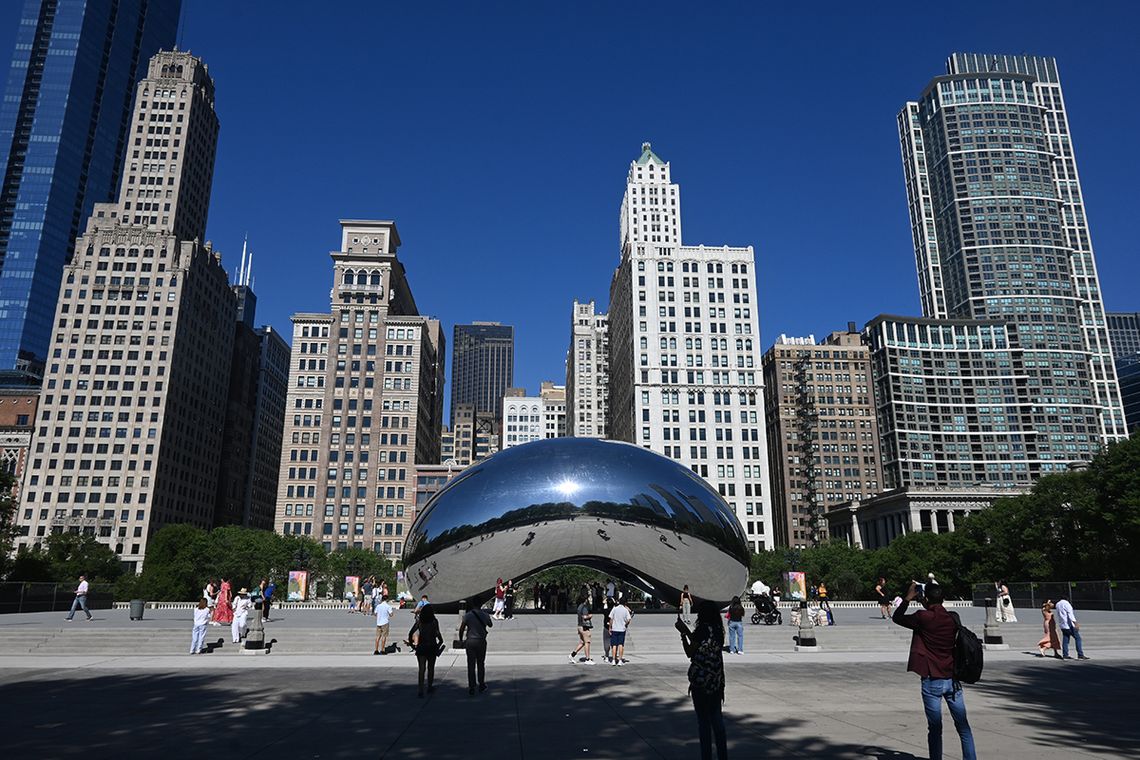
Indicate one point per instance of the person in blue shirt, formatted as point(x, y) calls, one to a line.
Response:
point(269, 589)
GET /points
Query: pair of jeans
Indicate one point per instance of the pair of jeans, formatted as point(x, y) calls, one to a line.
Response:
point(934, 690)
point(198, 639)
point(710, 722)
point(81, 602)
point(736, 636)
point(1066, 633)
point(476, 660)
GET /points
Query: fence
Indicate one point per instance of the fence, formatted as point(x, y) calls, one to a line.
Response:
point(17, 596)
point(1117, 596)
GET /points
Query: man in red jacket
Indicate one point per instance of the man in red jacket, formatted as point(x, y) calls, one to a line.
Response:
point(932, 658)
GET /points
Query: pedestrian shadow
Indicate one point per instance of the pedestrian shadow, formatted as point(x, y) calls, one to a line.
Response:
point(1089, 706)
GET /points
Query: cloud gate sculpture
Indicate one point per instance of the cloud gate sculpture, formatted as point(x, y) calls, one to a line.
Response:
point(618, 508)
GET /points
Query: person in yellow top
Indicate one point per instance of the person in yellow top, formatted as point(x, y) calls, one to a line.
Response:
point(824, 604)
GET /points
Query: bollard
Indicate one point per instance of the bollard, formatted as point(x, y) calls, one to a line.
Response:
point(255, 638)
point(806, 641)
point(991, 631)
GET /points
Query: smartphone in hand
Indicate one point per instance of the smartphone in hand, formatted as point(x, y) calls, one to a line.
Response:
point(681, 627)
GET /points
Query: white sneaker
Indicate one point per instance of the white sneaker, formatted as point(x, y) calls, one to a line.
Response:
point(589, 661)
point(619, 662)
point(573, 659)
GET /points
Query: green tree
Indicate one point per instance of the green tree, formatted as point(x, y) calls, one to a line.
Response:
point(64, 557)
point(8, 507)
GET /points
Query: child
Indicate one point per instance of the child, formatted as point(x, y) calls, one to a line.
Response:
point(201, 620)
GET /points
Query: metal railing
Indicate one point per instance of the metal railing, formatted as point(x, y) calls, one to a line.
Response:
point(26, 596)
point(1116, 596)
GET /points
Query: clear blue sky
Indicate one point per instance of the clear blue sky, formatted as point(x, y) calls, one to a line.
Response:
point(498, 137)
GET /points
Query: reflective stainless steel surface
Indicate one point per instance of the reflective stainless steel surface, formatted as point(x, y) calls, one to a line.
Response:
point(615, 507)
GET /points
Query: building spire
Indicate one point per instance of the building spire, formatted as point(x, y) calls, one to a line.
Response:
point(241, 269)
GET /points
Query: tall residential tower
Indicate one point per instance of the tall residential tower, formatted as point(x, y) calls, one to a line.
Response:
point(684, 349)
point(587, 372)
point(1000, 234)
point(64, 136)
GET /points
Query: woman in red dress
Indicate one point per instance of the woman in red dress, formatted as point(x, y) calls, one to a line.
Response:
point(223, 611)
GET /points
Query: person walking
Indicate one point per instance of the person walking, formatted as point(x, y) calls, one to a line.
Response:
point(429, 644)
point(1070, 628)
point(932, 659)
point(607, 608)
point(242, 604)
point(383, 618)
point(686, 605)
point(201, 619)
point(704, 647)
point(620, 618)
point(1004, 612)
point(1050, 640)
point(223, 609)
point(473, 633)
point(735, 617)
point(585, 628)
point(80, 600)
point(881, 596)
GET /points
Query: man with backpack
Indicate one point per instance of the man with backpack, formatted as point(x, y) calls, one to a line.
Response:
point(932, 650)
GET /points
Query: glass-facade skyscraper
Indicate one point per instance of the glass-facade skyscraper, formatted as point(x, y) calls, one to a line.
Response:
point(63, 132)
point(1000, 234)
point(482, 367)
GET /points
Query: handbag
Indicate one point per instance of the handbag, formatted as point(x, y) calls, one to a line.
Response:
point(1005, 601)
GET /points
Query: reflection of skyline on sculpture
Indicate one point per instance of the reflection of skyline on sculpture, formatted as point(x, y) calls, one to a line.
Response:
point(615, 507)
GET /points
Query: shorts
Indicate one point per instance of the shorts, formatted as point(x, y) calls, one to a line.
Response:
point(382, 630)
point(617, 638)
point(584, 634)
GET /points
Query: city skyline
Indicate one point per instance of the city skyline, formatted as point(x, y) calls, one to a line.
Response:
point(748, 176)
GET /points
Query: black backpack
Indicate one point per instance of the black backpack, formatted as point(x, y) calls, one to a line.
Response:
point(968, 654)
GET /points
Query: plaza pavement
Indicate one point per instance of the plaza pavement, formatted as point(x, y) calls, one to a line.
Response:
point(837, 703)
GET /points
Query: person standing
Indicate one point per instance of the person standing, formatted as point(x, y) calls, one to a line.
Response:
point(267, 600)
point(735, 626)
point(537, 596)
point(584, 630)
point(500, 599)
point(366, 605)
point(607, 608)
point(223, 609)
point(686, 605)
point(80, 601)
point(1004, 612)
point(201, 619)
point(620, 618)
point(473, 632)
point(383, 618)
point(1050, 640)
point(881, 596)
point(509, 599)
point(1070, 628)
point(242, 604)
point(704, 647)
point(932, 658)
point(429, 643)
point(824, 602)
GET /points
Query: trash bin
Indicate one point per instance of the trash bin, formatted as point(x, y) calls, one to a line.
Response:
point(137, 607)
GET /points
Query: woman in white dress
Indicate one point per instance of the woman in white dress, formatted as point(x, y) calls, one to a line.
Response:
point(1004, 613)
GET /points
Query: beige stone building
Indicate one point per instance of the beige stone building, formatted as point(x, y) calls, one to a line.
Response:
point(134, 393)
point(823, 439)
point(587, 372)
point(474, 437)
point(365, 402)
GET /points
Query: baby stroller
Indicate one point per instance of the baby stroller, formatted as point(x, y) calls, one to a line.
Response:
point(766, 611)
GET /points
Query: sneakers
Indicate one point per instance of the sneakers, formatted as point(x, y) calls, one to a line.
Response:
point(1082, 657)
point(620, 663)
point(573, 659)
point(377, 651)
point(588, 661)
point(615, 663)
point(482, 687)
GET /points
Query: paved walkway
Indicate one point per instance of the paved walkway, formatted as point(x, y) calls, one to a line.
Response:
point(537, 707)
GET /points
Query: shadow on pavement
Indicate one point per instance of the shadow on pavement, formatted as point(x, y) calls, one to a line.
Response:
point(365, 712)
point(1072, 704)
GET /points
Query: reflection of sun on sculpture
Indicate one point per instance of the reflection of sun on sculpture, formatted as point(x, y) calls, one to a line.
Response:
point(615, 507)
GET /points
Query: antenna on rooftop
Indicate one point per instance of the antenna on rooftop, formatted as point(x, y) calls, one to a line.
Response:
point(241, 270)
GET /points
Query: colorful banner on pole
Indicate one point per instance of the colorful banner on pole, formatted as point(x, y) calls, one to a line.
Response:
point(796, 584)
point(298, 585)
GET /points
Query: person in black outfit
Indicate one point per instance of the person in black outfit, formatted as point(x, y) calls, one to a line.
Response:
point(704, 648)
point(509, 600)
point(475, 624)
point(429, 644)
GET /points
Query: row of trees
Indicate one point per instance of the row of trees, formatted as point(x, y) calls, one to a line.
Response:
point(1082, 525)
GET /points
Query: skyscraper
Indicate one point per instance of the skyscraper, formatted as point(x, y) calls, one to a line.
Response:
point(63, 140)
point(365, 401)
point(1000, 233)
point(587, 372)
point(134, 400)
point(482, 367)
point(684, 365)
point(1124, 333)
point(823, 438)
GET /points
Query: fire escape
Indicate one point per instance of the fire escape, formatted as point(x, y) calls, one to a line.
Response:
point(809, 446)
